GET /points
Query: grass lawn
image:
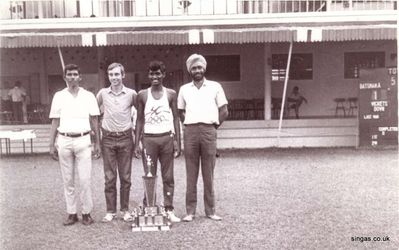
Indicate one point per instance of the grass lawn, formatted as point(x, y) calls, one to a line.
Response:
point(269, 199)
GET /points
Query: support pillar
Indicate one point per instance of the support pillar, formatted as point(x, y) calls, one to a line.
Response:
point(268, 81)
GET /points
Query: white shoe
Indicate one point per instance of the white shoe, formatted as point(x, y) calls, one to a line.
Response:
point(109, 217)
point(188, 218)
point(172, 217)
point(215, 217)
point(127, 217)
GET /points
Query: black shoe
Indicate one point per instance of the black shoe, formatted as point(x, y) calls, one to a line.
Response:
point(71, 219)
point(86, 219)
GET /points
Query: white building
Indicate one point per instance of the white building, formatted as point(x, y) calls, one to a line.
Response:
point(246, 43)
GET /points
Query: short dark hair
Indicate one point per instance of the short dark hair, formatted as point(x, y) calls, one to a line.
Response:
point(18, 83)
point(70, 67)
point(155, 65)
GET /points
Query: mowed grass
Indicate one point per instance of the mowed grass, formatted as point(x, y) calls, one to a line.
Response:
point(269, 199)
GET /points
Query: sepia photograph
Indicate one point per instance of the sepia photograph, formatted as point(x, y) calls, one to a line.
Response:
point(199, 124)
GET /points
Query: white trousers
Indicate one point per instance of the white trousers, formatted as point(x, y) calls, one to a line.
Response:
point(75, 155)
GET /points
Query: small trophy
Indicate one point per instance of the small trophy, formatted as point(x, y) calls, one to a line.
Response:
point(151, 217)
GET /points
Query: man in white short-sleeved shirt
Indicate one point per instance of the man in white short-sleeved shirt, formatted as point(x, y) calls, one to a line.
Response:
point(17, 96)
point(202, 106)
point(74, 113)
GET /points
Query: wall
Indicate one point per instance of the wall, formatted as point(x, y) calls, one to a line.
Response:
point(328, 73)
point(34, 66)
point(252, 63)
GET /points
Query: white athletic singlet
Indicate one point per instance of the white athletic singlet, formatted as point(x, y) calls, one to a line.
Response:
point(157, 114)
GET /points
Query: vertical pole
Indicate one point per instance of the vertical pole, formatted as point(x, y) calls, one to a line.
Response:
point(92, 8)
point(267, 83)
point(287, 73)
point(61, 58)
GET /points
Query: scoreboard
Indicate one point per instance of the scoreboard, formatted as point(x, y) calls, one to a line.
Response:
point(378, 107)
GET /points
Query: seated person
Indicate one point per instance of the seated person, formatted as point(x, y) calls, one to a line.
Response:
point(295, 100)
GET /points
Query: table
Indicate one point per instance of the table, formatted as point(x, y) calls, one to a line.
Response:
point(6, 117)
point(14, 135)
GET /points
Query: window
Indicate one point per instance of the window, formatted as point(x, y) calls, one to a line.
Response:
point(301, 67)
point(223, 68)
point(353, 61)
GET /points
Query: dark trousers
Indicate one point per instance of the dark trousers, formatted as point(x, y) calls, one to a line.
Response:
point(200, 147)
point(117, 157)
point(161, 148)
point(17, 111)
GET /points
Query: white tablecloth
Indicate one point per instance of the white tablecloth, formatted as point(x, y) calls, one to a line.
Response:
point(18, 135)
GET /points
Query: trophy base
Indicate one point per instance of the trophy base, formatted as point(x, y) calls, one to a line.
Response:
point(150, 219)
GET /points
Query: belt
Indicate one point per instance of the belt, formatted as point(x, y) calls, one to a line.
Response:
point(199, 123)
point(157, 135)
point(121, 133)
point(75, 134)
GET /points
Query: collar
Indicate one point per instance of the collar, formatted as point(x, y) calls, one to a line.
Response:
point(109, 90)
point(203, 84)
point(67, 90)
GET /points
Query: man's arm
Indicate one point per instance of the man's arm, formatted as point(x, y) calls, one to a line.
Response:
point(134, 113)
point(139, 122)
point(223, 114)
point(99, 98)
point(94, 127)
point(134, 100)
point(304, 99)
point(176, 122)
point(182, 115)
point(55, 123)
point(221, 102)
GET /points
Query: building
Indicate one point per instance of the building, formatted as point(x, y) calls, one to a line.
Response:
point(246, 42)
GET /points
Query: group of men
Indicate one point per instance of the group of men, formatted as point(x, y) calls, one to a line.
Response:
point(201, 106)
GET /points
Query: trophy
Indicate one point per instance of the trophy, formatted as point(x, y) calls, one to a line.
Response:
point(151, 217)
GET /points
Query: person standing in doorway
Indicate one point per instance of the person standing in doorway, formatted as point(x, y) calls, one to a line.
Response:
point(74, 113)
point(202, 107)
point(158, 127)
point(117, 141)
point(17, 95)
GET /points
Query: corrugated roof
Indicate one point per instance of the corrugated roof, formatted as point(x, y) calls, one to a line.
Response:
point(352, 34)
point(253, 35)
point(40, 40)
point(200, 36)
point(176, 37)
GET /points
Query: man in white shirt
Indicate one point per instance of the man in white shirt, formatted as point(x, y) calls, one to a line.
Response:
point(202, 106)
point(74, 113)
point(17, 95)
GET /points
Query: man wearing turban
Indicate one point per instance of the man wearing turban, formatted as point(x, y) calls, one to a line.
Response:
point(202, 107)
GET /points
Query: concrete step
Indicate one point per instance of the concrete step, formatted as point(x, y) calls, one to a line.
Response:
point(242, 134)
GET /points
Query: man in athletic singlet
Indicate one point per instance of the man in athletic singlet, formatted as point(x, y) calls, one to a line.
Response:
point(158, 127)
